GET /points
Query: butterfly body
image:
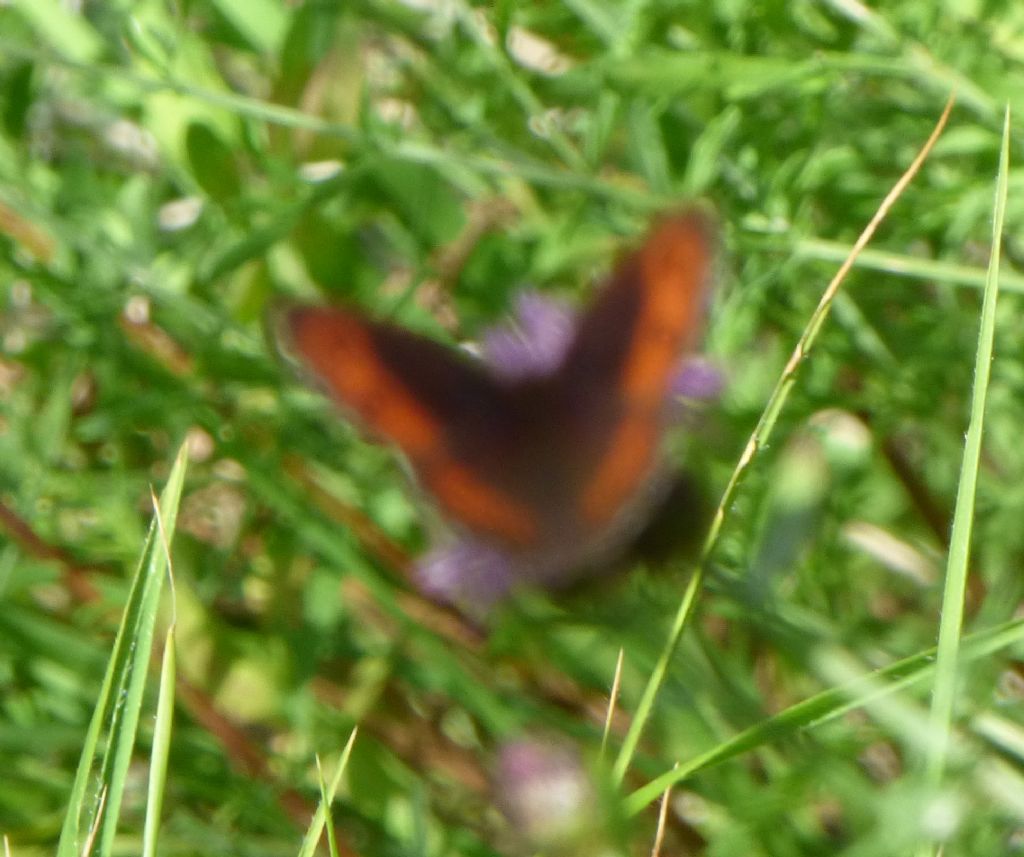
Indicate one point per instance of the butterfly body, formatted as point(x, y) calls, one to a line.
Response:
point(550, 467)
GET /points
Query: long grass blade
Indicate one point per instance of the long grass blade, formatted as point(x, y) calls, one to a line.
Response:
point(119, 703)
point(161, 747)
point(758, 439)
point(826, 706)
point(955, 589)
point(316, 826)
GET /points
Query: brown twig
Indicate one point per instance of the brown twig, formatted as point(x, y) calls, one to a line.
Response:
point(75, 574)
point(938, 520)
point(27, 234)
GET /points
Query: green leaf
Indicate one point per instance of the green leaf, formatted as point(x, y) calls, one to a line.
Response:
point(213, 163)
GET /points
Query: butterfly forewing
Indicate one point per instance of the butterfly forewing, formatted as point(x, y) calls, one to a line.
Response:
point(627, 350)
point(449, 417)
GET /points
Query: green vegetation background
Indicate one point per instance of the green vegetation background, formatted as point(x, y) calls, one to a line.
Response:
point(169, 169)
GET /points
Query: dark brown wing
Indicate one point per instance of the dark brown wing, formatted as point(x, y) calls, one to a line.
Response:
point(618, 369)
point(443, 411)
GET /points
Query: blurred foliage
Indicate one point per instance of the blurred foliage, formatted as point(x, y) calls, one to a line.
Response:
point(170, 169)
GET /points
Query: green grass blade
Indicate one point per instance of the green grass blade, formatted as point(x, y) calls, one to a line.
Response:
point(761, 434)
point(826, 706)
point(117, 708)
point(326, 801)
point(161, 747)
point(901, 265)
point(655, 680)
point(954, 591)
point(321, 817)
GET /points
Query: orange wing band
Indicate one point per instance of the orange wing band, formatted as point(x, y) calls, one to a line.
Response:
point(338, 346)
point(673, 266)
point(629, 456)
point(479, 506)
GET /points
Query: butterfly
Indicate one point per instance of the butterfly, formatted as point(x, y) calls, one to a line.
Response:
point(545, 454)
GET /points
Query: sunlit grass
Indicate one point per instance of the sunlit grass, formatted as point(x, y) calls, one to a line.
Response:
point(169, 172)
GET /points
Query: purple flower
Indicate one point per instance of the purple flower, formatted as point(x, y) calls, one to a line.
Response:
point(697, 378)
point(468, 574)
point(545, 791)
point(534, 343)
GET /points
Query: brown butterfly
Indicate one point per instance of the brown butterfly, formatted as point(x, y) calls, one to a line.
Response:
point(545, 456)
